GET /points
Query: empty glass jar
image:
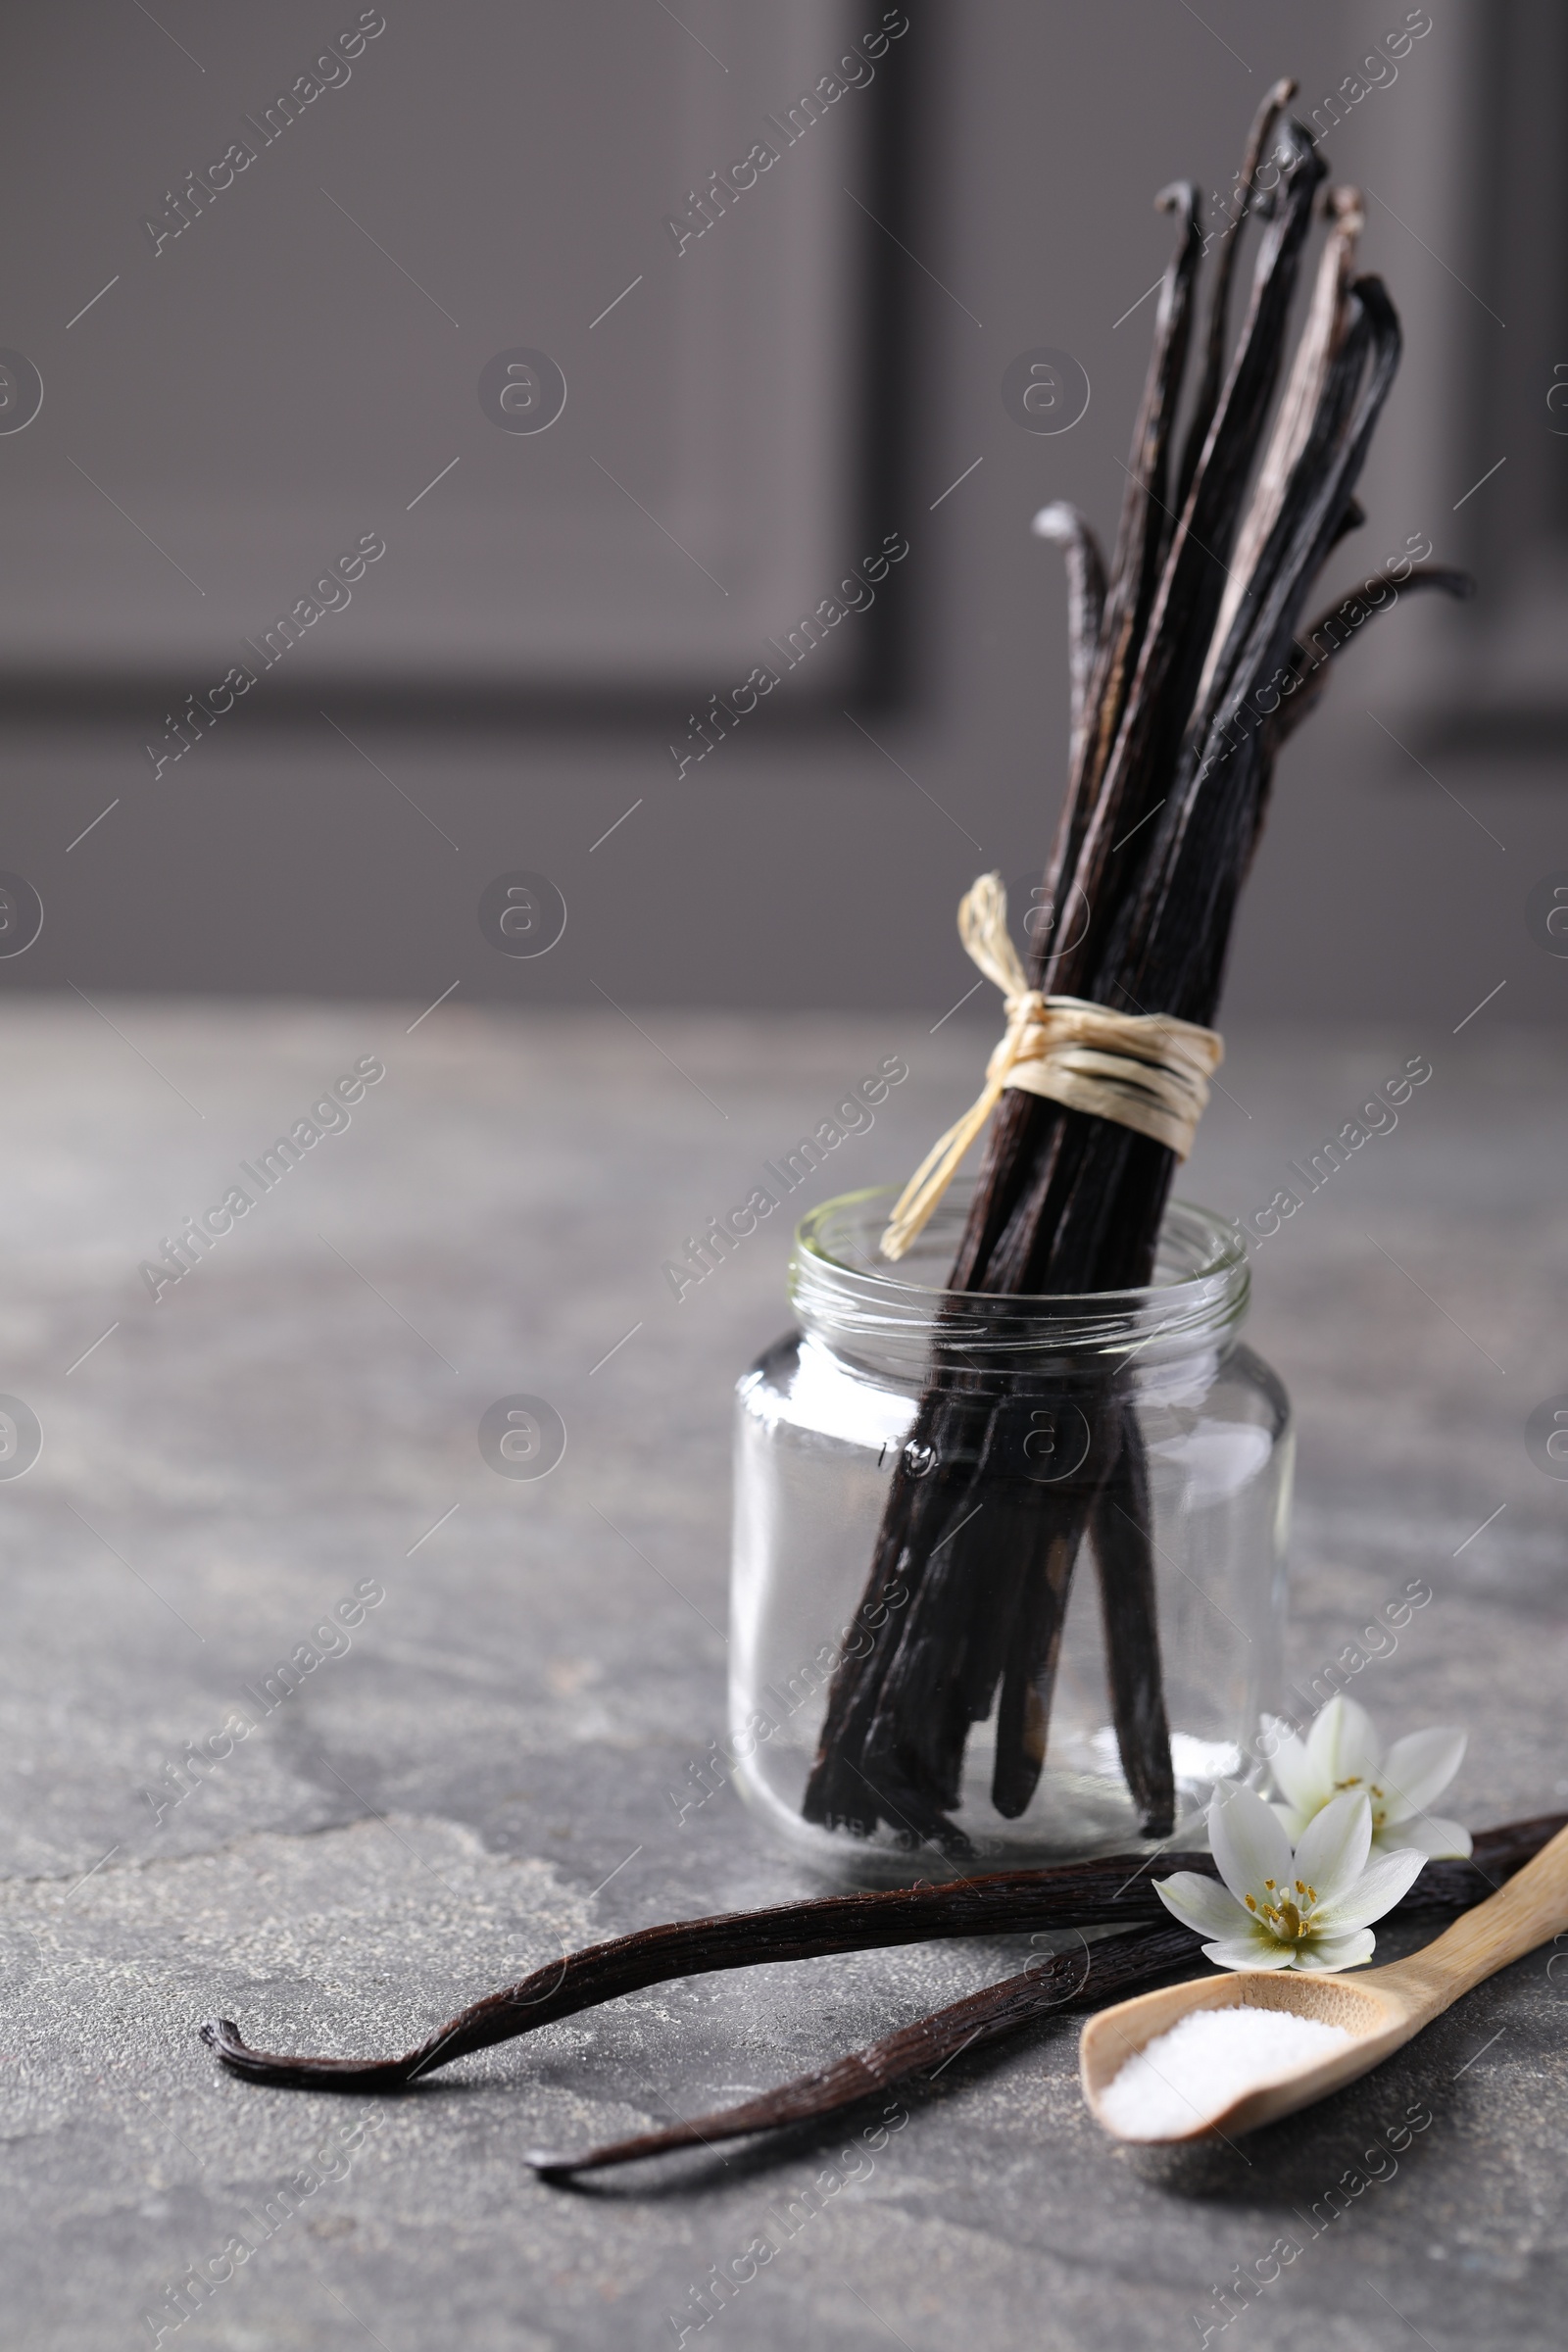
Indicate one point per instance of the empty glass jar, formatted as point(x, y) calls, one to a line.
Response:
point(1028, 1552)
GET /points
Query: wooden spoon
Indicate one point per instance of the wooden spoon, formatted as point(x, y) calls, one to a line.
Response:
point(1383, 2008)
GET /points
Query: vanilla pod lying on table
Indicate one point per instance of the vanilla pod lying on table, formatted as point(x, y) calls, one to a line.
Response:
point(1111, 1971)
point(1114, 1890)
point(1067, 1984)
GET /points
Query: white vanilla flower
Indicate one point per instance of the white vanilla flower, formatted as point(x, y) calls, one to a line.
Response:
point(1342, 1752)
point(1312, 1909)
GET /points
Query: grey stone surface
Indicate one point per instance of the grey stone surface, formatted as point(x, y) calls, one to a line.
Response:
point(481, 1777)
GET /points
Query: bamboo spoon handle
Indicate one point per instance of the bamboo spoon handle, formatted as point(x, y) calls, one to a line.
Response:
point(1529, 1911)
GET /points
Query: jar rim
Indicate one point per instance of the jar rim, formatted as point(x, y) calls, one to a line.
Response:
point(888, 1315)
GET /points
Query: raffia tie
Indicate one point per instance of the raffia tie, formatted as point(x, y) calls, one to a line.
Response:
point(1147, 1071)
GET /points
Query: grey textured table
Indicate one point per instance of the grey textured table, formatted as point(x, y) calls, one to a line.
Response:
point(485, 1772)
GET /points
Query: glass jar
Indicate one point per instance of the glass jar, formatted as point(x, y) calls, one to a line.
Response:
point(1142, 1496)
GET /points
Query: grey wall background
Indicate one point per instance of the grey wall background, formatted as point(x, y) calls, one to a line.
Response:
point(754, 414)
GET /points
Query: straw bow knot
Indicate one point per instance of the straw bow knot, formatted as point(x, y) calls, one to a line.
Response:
point(1147, 1071)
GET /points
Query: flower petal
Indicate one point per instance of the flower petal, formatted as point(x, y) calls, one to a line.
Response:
point(1417, 1769)
point(1291, 1821)
point(1429, 1833)
point(1377, 1889)
point(1335, 1843)
point(1342, 1743)
point(1325, 1954)
point(1248, 1843)
point(1202, 1903)
point(1250, 1954)
point(1323, 1737)
point(1297, 1777)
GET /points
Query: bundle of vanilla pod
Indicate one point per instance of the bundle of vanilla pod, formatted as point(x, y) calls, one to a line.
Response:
point(1189, 666)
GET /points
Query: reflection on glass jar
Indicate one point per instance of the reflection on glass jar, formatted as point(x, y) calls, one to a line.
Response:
point(1009, 1576)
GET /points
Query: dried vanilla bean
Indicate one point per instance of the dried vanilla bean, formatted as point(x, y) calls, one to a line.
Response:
point(1207, 400)
point(1197, 631)
point(1073, 1981)
point(1119, 1522)
point(1110, 1890)
point(1066, 1983)
point(1144, 534)
point(1298, 407)
point(880, 1707)
point(1114, 1890)
point(1341, 624)
point(1086, 606)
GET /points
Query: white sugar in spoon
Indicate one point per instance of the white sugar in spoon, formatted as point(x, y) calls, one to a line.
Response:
point(1382, 2008)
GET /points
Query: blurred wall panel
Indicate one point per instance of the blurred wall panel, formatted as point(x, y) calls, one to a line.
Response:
point(750, 653)
point(553, 262)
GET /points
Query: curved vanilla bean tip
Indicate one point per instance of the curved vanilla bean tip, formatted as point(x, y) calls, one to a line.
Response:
point(1462, 585)
point(1314, 659)
point(1180, 197)
point(1062, 524)
point(221, 2034)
